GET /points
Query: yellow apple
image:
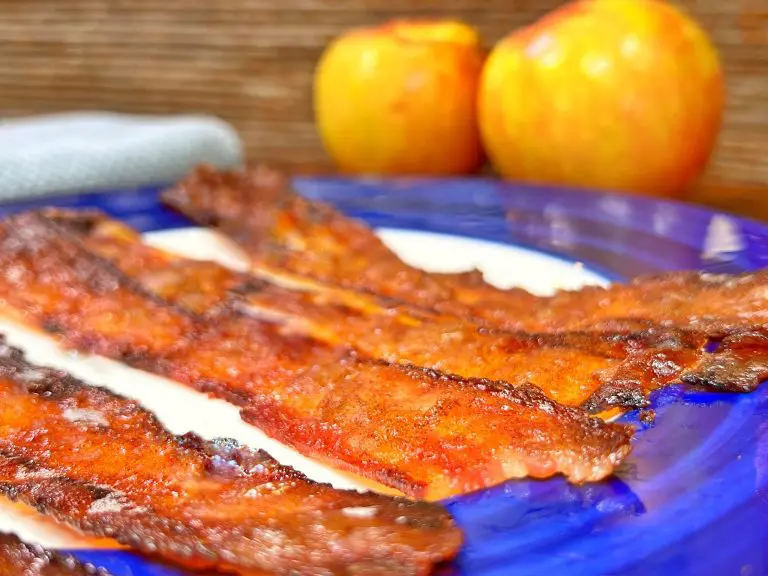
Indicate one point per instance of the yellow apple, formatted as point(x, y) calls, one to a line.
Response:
point(401, 99)
point(624, 95)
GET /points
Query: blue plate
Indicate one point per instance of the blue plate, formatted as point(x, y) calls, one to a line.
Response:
point(693, 496)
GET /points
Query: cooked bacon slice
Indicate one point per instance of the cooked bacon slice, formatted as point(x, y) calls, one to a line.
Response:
point(106, 466)
point(286, 234)
point(20, 559)
point(739, 365)
point(422, 432)
point(716, 304)
point(596, 371)
point(258, 209)
point(572, 369)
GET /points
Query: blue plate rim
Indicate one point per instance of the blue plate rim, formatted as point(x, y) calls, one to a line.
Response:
point(647, 517)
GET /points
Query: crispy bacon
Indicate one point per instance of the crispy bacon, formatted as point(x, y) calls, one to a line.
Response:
point(715, 304)
point(289, 235)
point(106, 466)
point(259, 210)
point(286, 233)
point(422, 432)
point(596, 371)
point(739, 365)
point(18, 558)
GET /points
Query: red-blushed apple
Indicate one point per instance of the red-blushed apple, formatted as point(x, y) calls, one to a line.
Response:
point(624, 95)
point(401, 99)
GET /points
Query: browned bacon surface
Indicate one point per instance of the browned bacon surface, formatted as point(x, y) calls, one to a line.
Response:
point(426, 434)
point(20, 559)
point(593, 370)
point(291, 235)
point(741, 361)
point(716, 304)
point(284, 232)
point(104, 465)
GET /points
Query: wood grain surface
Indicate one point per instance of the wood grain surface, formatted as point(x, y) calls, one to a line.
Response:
point(251, 62)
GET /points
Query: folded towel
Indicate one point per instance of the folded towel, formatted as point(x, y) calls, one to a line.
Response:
point(84, 151)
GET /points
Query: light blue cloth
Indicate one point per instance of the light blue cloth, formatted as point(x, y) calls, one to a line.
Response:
point(83, 151)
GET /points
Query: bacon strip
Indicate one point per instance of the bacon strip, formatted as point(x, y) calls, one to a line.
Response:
point(106, 466)
point(19, 558)
point(285, 233)
point(422, 432)
point(596, 371)
point(289, 235)
point(715, 304)
point(739, 365)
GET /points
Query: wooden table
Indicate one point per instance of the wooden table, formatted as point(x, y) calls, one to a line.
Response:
point(745, 200)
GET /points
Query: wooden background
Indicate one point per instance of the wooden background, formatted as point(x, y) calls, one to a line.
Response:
point(251, 61)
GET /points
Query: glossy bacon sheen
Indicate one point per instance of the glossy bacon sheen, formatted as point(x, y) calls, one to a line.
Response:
point(573, 368)
point(424, 433)
point(292, 235)
point(740, 365)
point(715, 304)
point(601, 372)
point(18, 558)
point(284, 232)
point(104, 465)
